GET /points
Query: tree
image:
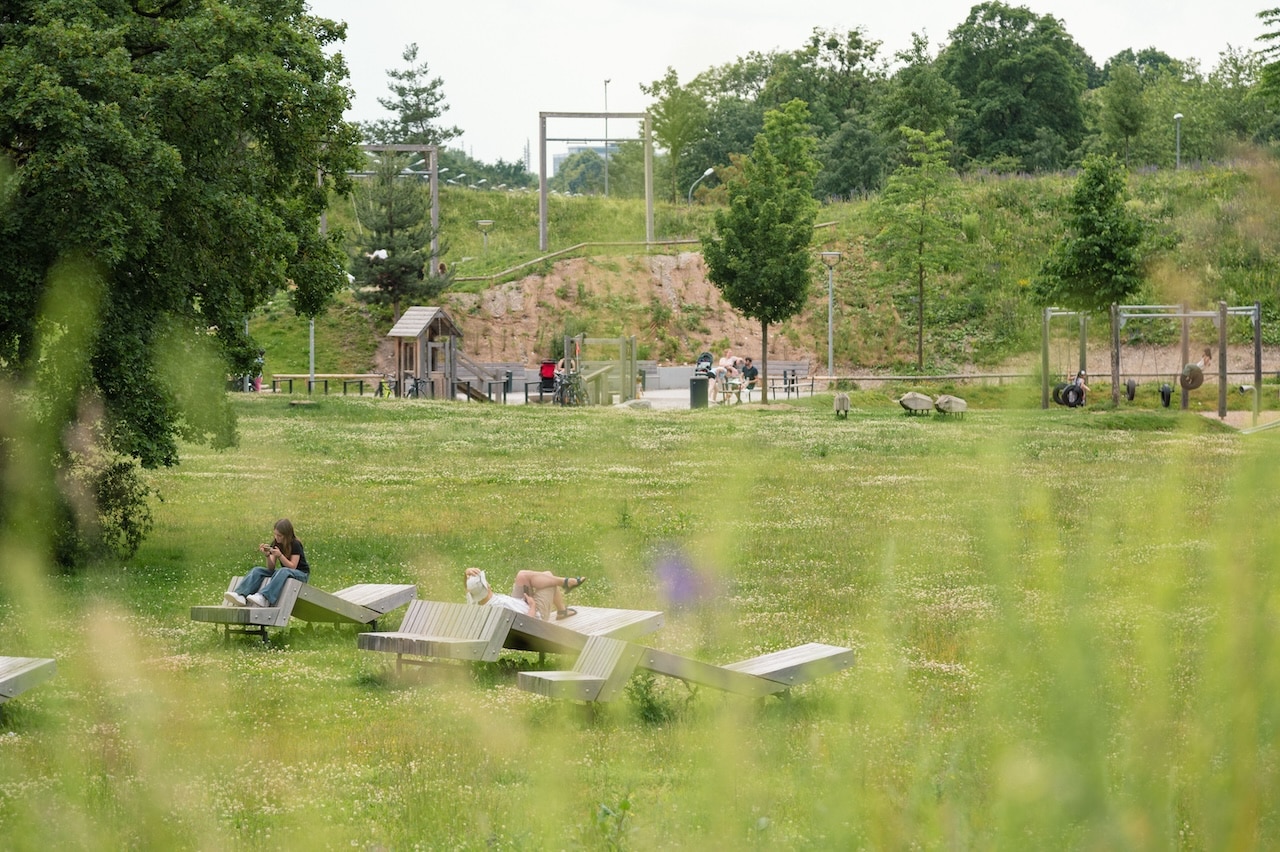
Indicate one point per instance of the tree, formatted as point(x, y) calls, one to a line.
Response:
point(758, 255)
point(1124, 111)
point(580, 174)
point(1023, 77)
point(916, 217)
point(1096, 263)
point(168, 170)
point(679, 119)
point(393, 250)
point(418, 104)
point(918, 95)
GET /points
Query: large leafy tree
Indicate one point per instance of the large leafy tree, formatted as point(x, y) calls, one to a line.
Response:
point(168, 165)
point(1023, 77)
point(392, 250)
point(918, 229)
point(679, 119)
point(1097, 261)
point(758, 255)
point(418, 104)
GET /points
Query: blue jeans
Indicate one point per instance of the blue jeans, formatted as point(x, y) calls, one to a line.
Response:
point(249, 585)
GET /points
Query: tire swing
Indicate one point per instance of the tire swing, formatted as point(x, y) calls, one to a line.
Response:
point(1072, 396)
point(1193, 374)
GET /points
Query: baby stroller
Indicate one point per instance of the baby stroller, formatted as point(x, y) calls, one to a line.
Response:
point(703, 366)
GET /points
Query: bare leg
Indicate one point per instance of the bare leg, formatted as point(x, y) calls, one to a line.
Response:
point(542, 580)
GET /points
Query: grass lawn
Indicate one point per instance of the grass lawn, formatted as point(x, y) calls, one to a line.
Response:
point(1065, 622)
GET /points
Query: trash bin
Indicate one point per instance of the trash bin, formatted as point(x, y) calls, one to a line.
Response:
point(507, 384)
point(698, 392)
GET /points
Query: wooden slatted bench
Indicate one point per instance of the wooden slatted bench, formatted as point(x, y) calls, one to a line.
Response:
point(323, 379)
point(18, 674)
point(360, 604)
point(601, 670)
point(444, 630)
point(794, 666)
point(767, 674)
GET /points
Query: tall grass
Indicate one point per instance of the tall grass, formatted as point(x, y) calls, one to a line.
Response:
point(1065, 637)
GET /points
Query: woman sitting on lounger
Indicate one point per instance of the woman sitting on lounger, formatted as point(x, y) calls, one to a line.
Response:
point(285, 560)
point(528, 583)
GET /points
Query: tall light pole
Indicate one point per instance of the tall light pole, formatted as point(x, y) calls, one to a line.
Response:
point(830, 258)
point(1177, 140)
point(707, 173)
point(484, 225)
point(606, 138)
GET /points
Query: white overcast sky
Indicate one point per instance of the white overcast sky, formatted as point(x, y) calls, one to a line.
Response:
point(504, 61)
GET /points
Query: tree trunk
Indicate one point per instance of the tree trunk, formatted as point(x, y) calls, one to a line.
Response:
point(764, 362)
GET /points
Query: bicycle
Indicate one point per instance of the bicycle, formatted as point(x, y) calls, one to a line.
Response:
point(570, 389)
point(414, 386)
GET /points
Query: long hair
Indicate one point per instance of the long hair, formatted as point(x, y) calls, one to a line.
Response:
point(285, 527)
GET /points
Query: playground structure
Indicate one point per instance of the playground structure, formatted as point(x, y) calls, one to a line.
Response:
point(429, 361)
point(607, 367)
point(1192, 374)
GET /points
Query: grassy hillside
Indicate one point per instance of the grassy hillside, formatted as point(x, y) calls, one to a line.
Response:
point(1211, 236)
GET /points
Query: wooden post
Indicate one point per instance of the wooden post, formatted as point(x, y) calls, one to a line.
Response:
point(1257, 361)
point(1222, 360)
point(1115, 354)
point(1186, 353)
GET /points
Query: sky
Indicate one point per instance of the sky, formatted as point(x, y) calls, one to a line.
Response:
point(505, 61)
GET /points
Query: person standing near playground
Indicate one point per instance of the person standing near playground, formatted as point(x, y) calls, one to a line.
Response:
point(286, 559)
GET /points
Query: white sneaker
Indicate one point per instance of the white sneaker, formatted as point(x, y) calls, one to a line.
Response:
point(257, 600)
point(232, 599)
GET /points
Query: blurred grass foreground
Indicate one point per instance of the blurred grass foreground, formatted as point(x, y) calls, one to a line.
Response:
point(1065, 622)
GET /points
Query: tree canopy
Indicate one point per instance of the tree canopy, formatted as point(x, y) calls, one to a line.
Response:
point(176, 160)
point(758, 255)
point(1097, 262)
point(418, 104)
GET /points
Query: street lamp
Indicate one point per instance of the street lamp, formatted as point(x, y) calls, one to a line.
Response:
point(830, 258)
point(606, 138)
point(707, 173)
point(1177, 143)
point(484, 225)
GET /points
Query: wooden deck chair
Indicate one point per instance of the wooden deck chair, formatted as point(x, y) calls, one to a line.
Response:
point(767, 674)
point(444, 630)
point(601, 670)
point(360, 604)
point(18, 674)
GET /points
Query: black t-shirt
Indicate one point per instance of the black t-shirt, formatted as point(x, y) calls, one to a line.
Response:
point(750, 372)
point(302, 558)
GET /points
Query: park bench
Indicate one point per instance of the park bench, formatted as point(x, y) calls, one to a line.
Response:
point(18, 674)
point(790, 377)
point(364, 604)
point(601, 670)
point(348, 380)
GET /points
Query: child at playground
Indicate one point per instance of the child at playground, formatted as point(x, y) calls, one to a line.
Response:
point(286, 559)
point(527, 585)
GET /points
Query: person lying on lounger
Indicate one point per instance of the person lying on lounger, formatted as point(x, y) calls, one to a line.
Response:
point(529, 583)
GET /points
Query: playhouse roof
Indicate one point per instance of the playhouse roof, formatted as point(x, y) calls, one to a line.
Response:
point(418, 320)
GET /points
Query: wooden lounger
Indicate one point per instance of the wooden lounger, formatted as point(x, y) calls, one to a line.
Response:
point(18, 674)
point(360, 604)
point(444, 630)
point(599, 674)
point(767, 674)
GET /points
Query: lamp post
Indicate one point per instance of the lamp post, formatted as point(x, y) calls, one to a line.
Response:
point(830, 258)
point(606, 138)
point(707, 173)
point(484, 225)
point(1177, 140)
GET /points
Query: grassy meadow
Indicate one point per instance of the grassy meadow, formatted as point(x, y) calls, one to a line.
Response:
point(1065, 623)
